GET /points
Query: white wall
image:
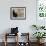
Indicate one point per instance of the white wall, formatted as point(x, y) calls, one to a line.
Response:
point(24, 25)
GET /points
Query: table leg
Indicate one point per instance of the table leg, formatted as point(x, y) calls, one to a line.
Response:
point(5, 40)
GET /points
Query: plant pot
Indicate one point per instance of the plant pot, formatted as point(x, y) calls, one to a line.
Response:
point(40, 41)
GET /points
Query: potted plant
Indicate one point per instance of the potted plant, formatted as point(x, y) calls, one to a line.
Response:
point(39, 35)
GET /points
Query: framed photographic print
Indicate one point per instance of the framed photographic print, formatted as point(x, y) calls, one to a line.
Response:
point(41, 12)
point(41, 8)
point(18, 13)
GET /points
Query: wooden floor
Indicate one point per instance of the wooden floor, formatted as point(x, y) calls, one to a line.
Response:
point(13, 44)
